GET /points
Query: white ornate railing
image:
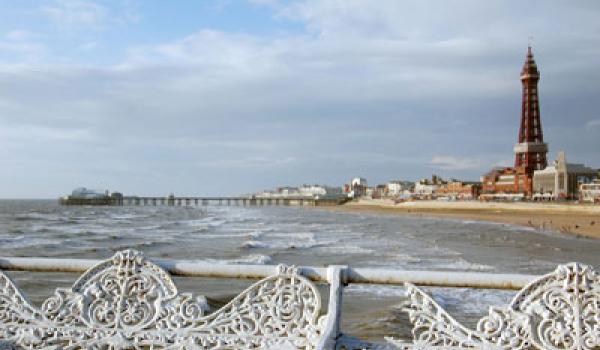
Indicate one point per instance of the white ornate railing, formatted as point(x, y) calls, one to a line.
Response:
point(560, 310)
point(129, 302)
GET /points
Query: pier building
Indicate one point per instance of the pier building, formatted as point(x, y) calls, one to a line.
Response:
point(86, 196)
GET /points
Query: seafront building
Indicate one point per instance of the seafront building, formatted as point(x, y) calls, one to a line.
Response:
point(400, 189)
point(590, 192)
point(530, 151)
point(357, 188)
point(459, 190)
point(426, 188)
point(561, 180)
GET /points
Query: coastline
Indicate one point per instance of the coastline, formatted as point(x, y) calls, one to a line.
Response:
point(577, 220)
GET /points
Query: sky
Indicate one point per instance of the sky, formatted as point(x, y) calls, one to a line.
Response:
point(227, 97)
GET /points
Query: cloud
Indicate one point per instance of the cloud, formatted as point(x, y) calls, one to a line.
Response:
point(88, 46)
point(18, 35)
point(268, 3)
point(21, 46)
point(385, 92)
point(76, 13)
point(455, 163)
point(594, 123)
point(251, 162)
point(44, 134)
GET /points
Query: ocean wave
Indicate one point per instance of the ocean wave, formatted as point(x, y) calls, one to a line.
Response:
point(205, 222)
point(124, 216)
point(256, 244)
point(469, 300)
point(252, 259)
point(232, 235)
point(378, 290)
point(461, 265)
point(345, 249)
point(35, 217)
point(27, 242)
point(281, 245)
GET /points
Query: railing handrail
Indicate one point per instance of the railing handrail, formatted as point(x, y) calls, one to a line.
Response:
point(361, 275)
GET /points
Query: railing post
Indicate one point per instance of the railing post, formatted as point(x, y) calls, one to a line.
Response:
point(336, 278)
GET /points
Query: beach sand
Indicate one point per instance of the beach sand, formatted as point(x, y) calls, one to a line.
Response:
point(582, 220)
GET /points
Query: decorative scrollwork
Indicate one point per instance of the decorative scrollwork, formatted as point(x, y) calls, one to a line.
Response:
point(558, 311)
point(128, 302)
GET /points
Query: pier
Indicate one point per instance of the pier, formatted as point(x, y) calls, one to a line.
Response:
point(185, 201)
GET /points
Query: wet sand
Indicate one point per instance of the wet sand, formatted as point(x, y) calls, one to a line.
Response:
point(580, 220)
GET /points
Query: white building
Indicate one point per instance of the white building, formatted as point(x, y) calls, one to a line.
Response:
point(312, 190)
point(590, 192)
point(86, 193)
point(425, 188)
point(561, 180)
point(395, 188)
point(304, 191)
point(359, 181)
point(358, 187)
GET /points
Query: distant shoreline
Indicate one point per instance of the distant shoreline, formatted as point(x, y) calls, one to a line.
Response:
point(579, 220)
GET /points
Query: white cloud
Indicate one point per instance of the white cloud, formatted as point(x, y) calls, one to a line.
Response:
point(88, 46)
point(594, 123)
point(42, 134)
point(251, 162)
point(455, 163)
point(268, 3)
point(76, 12)
point(361, 92)
point(18, 35)
point(21, 46)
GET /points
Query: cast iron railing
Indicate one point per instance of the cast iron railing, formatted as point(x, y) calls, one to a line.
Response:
point(130, 302)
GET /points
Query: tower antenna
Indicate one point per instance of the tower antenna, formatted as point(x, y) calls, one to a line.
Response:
point(529, 40)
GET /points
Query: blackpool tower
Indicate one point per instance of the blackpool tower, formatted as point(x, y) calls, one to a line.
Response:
point(530, 151)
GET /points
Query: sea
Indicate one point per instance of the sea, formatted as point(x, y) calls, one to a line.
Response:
point(293, 236)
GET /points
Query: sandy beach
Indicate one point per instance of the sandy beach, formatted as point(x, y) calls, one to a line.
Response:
point(582, 220)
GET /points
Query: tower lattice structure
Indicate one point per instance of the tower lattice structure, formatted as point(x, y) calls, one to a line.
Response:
point(530, 151)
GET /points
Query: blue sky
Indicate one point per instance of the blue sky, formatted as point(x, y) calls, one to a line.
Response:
point(228, 97)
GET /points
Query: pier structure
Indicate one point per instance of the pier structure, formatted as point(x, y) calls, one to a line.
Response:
point(185, 201)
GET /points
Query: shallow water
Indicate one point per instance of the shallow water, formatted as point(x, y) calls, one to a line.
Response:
point(291, 235)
